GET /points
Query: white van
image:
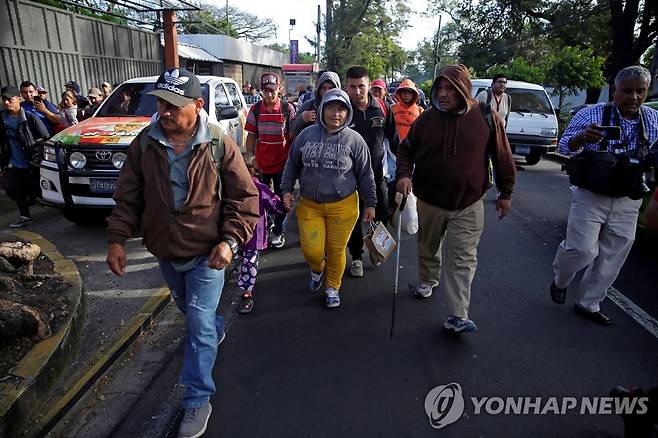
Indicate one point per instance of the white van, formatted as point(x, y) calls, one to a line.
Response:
point(532, 124)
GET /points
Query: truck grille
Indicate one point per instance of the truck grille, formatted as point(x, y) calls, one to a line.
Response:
point(94, 155)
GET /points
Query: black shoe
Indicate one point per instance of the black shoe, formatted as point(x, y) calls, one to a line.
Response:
point(597, 317)
point(558, 295)
point(635, 425)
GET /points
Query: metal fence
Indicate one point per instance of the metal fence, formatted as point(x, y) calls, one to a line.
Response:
point(51, 46)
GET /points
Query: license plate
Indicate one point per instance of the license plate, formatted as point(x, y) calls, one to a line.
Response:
point(97, 185)
point(522, 150)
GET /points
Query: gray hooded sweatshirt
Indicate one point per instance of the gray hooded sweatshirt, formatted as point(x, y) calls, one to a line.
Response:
point(330, 166)
point(298, 124)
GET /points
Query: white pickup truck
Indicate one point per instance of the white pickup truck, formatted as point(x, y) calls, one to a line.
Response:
point(81, 164)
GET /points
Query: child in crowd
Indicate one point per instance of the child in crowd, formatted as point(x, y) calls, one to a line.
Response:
point(68, 109)
point(269, 203)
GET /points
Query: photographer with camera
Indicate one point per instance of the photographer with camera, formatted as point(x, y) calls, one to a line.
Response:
point(616, 141)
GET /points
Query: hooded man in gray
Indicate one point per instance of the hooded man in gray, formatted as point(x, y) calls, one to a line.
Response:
point(332, 163)
point(307, 113)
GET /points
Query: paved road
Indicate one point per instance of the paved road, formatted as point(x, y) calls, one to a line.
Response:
point(293, 368)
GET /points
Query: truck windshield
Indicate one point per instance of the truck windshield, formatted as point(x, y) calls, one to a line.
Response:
point(132, 100)
point(529, 101)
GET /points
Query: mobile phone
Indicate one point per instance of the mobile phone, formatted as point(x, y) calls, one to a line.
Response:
point(37, 98)
point(610, 132)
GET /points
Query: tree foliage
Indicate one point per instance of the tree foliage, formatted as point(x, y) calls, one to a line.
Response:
point(493, 33)
point(212, 20)
point(519, 69)
point(572, 69)
point(366, 33)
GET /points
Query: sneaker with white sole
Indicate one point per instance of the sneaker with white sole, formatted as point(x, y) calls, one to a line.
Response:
point(278, 240)
point(21, 222)
point(459, 325)
point(333, 298)
point(195, 421)
point(356, 270)
point(424, 289)
point(316, 281)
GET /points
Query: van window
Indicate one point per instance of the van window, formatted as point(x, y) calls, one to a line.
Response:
point(530, 101)
point(235, 95)
point(133, 100)
point(220, 96)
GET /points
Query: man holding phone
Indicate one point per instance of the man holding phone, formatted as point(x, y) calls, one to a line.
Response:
point(47, 113)
point(601, 228)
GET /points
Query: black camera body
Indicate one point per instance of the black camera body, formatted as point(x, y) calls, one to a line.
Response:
point(615, 175)
point(640, 162)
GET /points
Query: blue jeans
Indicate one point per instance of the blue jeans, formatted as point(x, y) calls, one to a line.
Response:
point(196, 292)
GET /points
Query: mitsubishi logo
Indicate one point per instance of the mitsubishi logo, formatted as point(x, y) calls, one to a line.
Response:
point(522, 130)
point(103, 155)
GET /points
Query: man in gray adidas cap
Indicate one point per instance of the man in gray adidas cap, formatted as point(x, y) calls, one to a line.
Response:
point(196, 203)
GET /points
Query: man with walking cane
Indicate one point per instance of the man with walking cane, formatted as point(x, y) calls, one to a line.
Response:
point(447, 153)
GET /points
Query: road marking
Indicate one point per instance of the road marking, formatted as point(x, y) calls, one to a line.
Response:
point(639, 315)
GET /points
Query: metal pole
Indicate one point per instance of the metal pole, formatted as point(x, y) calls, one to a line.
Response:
point(318, 28)
point(437, 55)
point(227, 25)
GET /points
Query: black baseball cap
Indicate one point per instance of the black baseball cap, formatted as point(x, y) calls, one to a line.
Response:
point(8, 92)
point(178, 87)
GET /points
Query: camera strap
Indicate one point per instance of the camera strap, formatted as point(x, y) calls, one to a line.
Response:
point(610, 112)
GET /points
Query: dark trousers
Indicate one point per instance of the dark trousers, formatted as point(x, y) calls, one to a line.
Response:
point(22, 186)
point(355, 244)
point(273, 180)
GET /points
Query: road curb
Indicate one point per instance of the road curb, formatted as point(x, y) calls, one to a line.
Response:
point(38, 370)
point(104, 360)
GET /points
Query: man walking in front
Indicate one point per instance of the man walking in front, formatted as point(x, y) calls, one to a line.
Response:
point(446, 155)
point(268, 136)
point(373, 119)
point(500, 102)
point(601, 226)
point(196, 203)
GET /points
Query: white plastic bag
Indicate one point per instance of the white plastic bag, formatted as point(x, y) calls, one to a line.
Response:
point(409, 216)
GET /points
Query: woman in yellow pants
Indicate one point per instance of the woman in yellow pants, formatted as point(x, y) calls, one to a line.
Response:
point(332, 163)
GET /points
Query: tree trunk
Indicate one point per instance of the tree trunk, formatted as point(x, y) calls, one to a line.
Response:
point(20, 320)
point(593, 95)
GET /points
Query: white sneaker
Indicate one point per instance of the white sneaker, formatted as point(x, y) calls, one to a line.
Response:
point(333, 298)
point(424, 289)
point(356, 270)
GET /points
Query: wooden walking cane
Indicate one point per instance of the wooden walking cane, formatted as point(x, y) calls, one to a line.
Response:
point(401, 204)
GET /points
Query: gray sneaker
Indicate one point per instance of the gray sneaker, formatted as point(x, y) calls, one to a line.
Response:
point(424, 289)
point(356, 270)
point(195, 421)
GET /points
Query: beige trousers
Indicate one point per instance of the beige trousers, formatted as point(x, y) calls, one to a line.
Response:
point(451, 236)
point(600, 234)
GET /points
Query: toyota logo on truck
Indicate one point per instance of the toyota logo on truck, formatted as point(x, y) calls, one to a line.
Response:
point(103, 155)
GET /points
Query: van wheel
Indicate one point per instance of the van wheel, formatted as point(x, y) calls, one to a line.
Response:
point(84, 216)
point(532, 159)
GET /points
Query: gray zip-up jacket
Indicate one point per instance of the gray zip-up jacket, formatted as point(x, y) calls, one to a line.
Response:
point(298, 124)
point(330, 166)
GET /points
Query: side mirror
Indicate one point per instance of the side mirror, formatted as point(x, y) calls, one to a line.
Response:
point(226, 112)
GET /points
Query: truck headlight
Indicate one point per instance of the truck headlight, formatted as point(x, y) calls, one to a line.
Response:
point(549, 132)
point(78, 160)
point(118, 159)
point(49, 154)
